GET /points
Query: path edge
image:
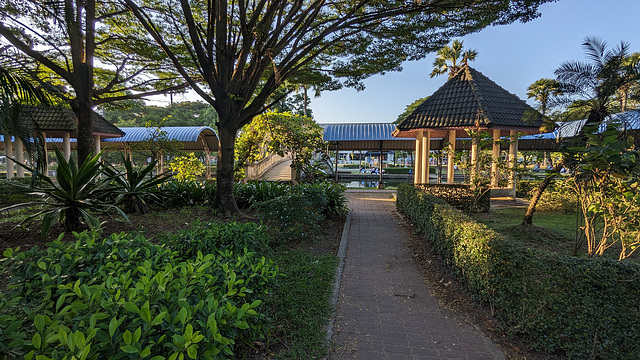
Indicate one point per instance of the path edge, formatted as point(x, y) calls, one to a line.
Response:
point(342, 252)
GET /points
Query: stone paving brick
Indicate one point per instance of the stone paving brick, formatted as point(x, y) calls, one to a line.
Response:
point(385, 309)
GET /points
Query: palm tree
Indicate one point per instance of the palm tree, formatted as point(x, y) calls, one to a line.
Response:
point(450, 58)
point(591, 86)
point(625, 91)
point(542, 90)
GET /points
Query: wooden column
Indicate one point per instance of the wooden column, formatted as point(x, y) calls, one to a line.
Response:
point(513, 159)
point(337, 158)
point(495, 155)
point(417, 168)
point(8, 152)
point(426, 148)
point(452, 150)
point(66, 146)
point(474, 157)
point(19, 157)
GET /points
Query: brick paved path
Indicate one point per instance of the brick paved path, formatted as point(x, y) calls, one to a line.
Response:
point(385, 310)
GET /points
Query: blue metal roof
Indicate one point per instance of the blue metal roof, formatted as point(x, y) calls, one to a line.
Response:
point(628, 120)
point(177, 133)
point(359, 132)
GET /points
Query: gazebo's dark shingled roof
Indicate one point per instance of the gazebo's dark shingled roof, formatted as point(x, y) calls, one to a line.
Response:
point(457, 103)
point(63, 119)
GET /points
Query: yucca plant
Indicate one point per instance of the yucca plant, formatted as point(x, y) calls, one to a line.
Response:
point(76, 191)
point(135, 187)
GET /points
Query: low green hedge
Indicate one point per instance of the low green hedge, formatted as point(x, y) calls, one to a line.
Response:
point(397, 170)
point(577, 307)
point(460, 196)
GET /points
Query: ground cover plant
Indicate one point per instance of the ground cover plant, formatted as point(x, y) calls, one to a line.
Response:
point(565, 305)
point(174, 288)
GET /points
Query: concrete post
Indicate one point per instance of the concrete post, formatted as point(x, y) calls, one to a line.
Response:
point(8, 151)
point(474, 158)
point(426, 148)
point(452, 150)
point(97, 144)
point(417, 168)
point(513, 158)
point(495, 158)
point(19, 157)
point(66, 146)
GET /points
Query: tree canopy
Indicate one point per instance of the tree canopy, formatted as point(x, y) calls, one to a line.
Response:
point(245, 50)
point(409, 109)
point(185, 113)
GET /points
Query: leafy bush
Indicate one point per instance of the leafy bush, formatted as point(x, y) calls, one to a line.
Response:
point(336, 201)
point(10, 194)
point(577, 307)
point(256, 191)
point(124, 297)
point(559, 197)
point(185, 193)
point(296, 215)
point(461, 196)
point(186, 167)
point(397, 170)
point(210, 237)
point(526, 188)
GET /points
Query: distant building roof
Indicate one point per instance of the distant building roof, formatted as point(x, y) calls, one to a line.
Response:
point(628, 120)
point(467, 100)
point(59, 120)
point(372, 136)
point(196, 138)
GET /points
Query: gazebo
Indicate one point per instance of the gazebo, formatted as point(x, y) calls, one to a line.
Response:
point(57, 124)
point(469, 101)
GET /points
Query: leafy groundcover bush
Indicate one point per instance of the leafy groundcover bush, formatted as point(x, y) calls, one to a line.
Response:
point(577, 307)
point(123, 297)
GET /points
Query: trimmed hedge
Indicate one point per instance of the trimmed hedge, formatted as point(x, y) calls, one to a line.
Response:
point(571, 306)
point(460, 196)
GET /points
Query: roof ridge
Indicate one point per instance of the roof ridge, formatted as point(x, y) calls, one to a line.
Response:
point(478, 96)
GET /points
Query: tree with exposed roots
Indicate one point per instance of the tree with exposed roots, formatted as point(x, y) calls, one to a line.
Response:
point(245, 50)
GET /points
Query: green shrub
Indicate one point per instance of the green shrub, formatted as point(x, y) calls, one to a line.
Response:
point(296, 215)
point(124, 297)
point(397, 170)
point(256, 191)
point(211, 237)
point(525, 188)
point(571, 306)
point(187, 193)
point(461, 196)
point(336, 200)
point(559, 197)
point(11, 194)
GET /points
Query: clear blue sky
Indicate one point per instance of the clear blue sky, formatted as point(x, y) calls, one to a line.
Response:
point(513, 56)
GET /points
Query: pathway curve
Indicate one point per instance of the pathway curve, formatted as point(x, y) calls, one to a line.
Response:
point(385, 309)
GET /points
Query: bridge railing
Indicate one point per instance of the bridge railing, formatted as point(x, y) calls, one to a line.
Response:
point(254, 171)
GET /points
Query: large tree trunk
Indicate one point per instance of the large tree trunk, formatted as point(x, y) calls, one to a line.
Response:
point(83, 109)
point(226, 153)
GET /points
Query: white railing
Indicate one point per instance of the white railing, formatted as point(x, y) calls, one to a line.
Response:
point(255, 170)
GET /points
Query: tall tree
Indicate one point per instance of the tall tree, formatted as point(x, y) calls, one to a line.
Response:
point(542, 90)
point(66, 36)
point(632, 85)
point(245, 50)
point(450, 58)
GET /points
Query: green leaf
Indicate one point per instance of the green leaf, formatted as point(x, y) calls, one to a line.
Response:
point(131, 307)
point(36, 340)
point(127, 337)
point(145, 313)
point(183, 315)
point(129, 349)
point(192, 352)
point(113, 325)
point(39, 322)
